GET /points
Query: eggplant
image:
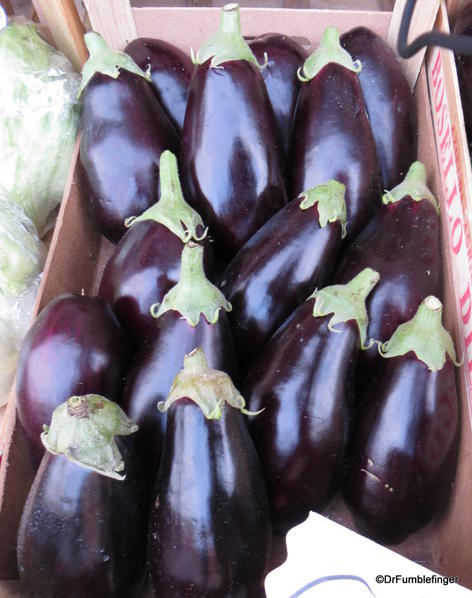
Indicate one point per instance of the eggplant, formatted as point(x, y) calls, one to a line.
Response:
point(124, 132)
point(192, 314)
point(463, 26)
point(231, 158)
point(303, 385)
point(75, 346)
point(401, 242)
point(74, 540)
point(389, 102)
point(403, 452)
point(209, 532)
point(146, 262)
point(284, 57)
point(171, 71)
point(280, 265)
point(332, 138)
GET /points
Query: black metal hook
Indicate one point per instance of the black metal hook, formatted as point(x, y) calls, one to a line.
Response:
point(460, 44)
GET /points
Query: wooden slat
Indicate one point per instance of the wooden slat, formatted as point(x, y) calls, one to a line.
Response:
point(8, 7)
point(422, 21)
point(66, 28)
point(453, 7)
point(113, 19)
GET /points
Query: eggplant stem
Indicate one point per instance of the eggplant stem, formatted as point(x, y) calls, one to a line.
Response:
point(425, 336)
point(194, 295)
point(172, 211)
point(103, 59)
point(210, 389)
point(227, 43)
point(347, 302)
point(83, 429)
point(329, 51)
point(414, 186)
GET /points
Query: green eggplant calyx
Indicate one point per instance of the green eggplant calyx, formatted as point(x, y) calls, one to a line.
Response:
point(425, 335)
point(414, 186)
point(329, 50)
point(210, 389)
point(172, 210)
point(347, 302)
point(103, 59)
point(83, 429)
point(227, 43)
point(330, 201)
point(194, 294)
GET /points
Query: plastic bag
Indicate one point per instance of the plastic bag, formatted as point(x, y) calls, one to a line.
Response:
point(39, 113)
point(22, 258)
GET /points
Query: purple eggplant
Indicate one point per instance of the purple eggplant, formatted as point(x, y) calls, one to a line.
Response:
point(210, 530)
point(146, 262)
point(279, 266)
point(389, 103)
point(332, 138)
point(284, 57)
point(463, 26)
point(83, 529)
point(303, 382)
point(192, 314)
point(75, 346)
point(171, 71)
point(401, 242)
point(404, 447)
point(124, 132)
point(231, 158)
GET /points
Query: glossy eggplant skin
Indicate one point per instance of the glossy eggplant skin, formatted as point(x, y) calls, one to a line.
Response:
point(332, 139)
point(275, 271)
point(402, 243)
point(124, 132)
point(140, 271)
point(403, 453)
point(463, 25)
point(303, 381)
point(231, 158)
point(210, 529)
point(74, 540)
point(285, 56)
point(76, 346)
point(389, 103)
point(171, 71)
point(155, 366)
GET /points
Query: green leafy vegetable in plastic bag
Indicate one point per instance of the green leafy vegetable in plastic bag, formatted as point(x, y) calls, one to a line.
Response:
point(21, 262)
point(39, 113)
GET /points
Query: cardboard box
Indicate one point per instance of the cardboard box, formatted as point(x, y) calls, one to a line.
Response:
point(78, 254)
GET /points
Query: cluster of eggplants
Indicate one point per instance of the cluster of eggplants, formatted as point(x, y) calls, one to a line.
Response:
point(146, 262)
point(192, 314)
point(402, 243)
point(255, 122)
point(332, 136)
